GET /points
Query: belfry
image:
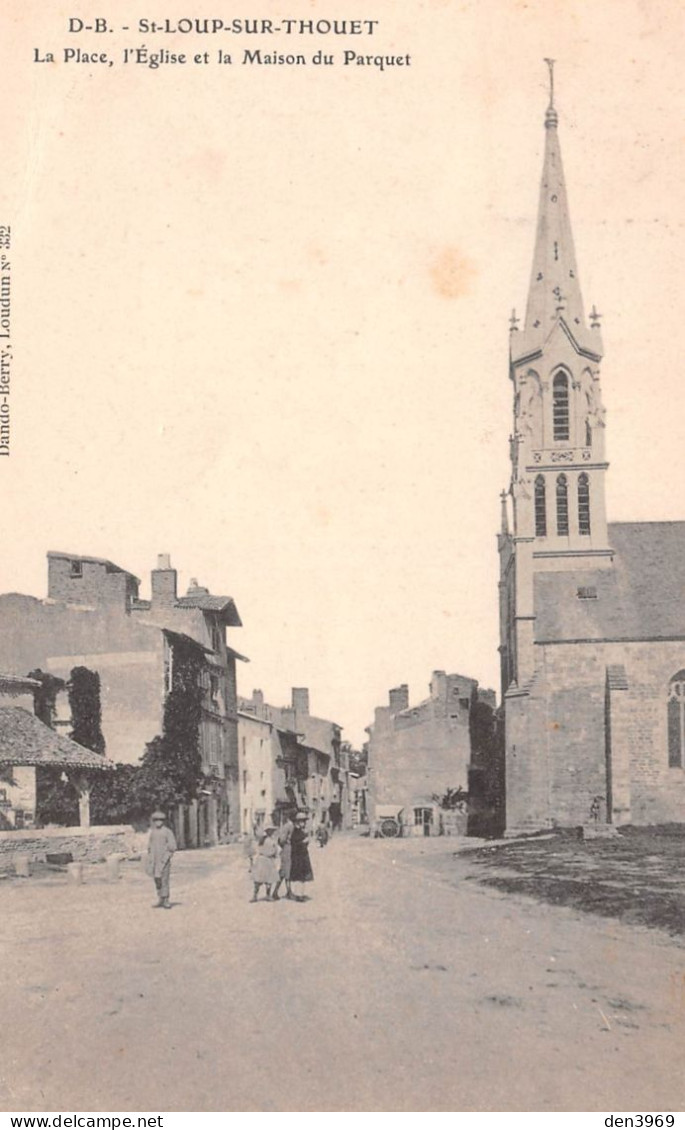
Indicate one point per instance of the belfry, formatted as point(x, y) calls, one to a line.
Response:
point(583, 615)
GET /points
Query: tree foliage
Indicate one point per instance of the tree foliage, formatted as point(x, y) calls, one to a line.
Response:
point(45, 696)
point(452, 800)
point(56, 798)
point(115, 797)
point(171, 769)
point(482, 727)
point(86, 713)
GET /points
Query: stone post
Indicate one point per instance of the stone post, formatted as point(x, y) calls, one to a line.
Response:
point(179, 826)
point(193, 829)
point(22, 866)
point(81, 783)
point(212, 821)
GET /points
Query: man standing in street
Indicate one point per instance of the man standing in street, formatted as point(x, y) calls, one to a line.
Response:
point(160, 848)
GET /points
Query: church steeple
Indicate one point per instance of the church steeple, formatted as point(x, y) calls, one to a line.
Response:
point(558, 464)
point(554, 295)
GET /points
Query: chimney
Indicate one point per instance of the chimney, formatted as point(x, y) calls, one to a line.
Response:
point(258, 698)
point(438, 685)
point(163, 582)
point(194, 589)
point(399, 698)
point(300, 699)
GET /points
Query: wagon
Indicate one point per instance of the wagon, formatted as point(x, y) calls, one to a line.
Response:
point(389, 820)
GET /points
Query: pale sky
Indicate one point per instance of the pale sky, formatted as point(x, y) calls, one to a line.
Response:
point(260, 315)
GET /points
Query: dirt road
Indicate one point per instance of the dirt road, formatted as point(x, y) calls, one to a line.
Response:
point(391, 989)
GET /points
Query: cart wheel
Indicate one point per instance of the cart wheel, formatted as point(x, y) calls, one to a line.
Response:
point(388, 829)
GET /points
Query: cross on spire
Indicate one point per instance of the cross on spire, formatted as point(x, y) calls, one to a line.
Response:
point(551, 118)
point(514, 322)
point(554, 290)
point(550, 63)
point(594, 318)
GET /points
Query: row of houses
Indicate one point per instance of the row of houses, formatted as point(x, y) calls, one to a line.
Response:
point(290, 758)
point(256, 760)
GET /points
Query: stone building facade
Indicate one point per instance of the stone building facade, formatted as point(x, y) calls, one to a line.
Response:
point(417, 753)
point(592, 616)
point(317, 776)
point(93, 617)
point(273, 771)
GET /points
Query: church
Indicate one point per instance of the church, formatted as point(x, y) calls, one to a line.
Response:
point(592, 613)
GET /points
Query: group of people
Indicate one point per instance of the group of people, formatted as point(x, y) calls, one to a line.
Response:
point(281, 856)
point(277, 856)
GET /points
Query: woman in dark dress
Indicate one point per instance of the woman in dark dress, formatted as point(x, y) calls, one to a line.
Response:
point(300, 863)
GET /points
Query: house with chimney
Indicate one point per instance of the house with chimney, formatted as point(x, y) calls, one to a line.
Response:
point(273, 767)
point(94, 617)
point(417, 754)
point(314, 768)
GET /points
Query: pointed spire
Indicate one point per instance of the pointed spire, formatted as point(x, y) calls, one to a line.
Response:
point(554, 293)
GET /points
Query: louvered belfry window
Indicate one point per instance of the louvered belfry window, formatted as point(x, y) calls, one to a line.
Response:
point(562, 506)
point(560, 407)
point(540, 507)
point(583, 504)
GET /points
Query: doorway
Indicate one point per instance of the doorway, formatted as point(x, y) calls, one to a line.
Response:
point(423, 818)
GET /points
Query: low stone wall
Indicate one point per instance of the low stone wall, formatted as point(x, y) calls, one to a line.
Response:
point(89, 845)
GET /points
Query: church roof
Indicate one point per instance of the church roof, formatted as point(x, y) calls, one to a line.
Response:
point(641, 597)
point(554, 295)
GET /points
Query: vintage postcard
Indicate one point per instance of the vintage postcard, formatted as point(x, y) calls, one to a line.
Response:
point(342, 630)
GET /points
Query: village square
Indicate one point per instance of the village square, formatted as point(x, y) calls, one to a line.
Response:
point(480, 907)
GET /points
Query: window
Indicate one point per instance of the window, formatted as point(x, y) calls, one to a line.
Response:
point(540, 508)
point(583, 504)
point(588, 434)
point(560, 407)
point(587, 592)
point(562, 506)
point(676, 721)
point(76, 569)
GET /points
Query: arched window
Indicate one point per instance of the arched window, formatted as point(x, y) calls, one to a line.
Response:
point(676, 721)
point(540, 508)
point(562, 506)
point(560, 406)
point(583, 504)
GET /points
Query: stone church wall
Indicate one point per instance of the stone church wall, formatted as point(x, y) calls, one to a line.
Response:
point(557, 742)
